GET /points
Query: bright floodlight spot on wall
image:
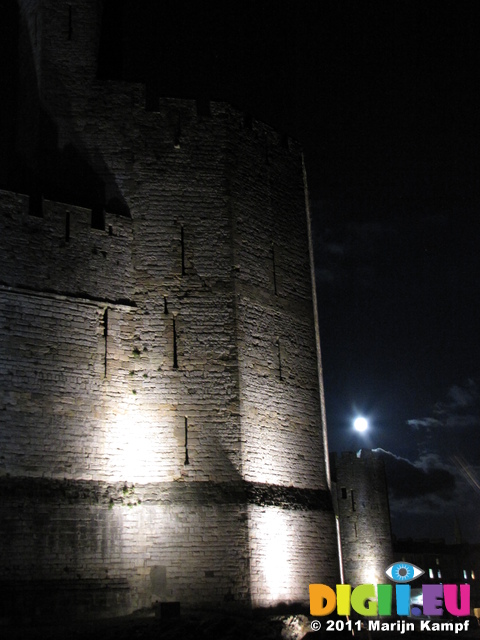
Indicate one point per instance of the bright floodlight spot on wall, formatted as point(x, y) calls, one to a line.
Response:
point(270, 542)
point(360, 424)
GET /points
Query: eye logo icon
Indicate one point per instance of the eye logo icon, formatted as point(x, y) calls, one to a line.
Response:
point(403, 572)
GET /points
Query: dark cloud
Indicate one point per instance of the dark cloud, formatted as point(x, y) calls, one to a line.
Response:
point(442, 485)
point(453, 424)
point(424, 422)
point(460, 422)
point(461, 410)
point(410, 480)
point(429, 495)
point(465, 396)
point(440, 513)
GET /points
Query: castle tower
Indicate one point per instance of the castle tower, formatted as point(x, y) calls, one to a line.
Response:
point(162, 435)
point(361, 503)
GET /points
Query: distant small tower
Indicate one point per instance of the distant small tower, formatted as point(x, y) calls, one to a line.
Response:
point(363, 516)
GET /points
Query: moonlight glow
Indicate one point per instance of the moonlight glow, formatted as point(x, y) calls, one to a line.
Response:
point(360, 424)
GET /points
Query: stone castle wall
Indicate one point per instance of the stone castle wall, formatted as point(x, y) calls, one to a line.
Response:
point(160, 422)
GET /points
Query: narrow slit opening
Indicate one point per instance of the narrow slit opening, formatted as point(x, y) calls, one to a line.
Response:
point(175, 355)
point(182, 242)
point(187, 461)
point(279, 354)
point(105, 338)
point(67, 226)
point(176, 135)
point(274, 269)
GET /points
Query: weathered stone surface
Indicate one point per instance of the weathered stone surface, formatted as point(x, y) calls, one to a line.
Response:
point(184, 331)
point(361, 502)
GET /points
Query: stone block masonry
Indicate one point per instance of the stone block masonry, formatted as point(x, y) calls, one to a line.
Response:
point(361, 503)
point(161, 433)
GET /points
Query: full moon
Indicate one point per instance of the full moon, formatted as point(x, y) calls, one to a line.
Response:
point(360, 424)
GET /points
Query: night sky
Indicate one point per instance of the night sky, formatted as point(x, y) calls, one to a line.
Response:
point(383, 96)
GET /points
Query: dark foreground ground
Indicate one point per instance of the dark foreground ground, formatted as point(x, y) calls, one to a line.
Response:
point(202, 625)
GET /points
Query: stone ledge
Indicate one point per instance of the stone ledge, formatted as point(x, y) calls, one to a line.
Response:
point(97, 493)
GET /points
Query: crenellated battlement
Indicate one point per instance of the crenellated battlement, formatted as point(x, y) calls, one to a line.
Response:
point(60, 251)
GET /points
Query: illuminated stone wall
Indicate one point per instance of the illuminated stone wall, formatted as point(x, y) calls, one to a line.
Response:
point(361, 504)
point(182, 329)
